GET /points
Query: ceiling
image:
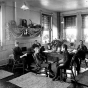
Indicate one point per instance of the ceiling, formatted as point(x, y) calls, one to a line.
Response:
point(57, 5)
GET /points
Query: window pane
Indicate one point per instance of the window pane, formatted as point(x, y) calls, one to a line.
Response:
point(71, 34)
point(69, 21)
point(45, 37)
point(85, 26)
point(46, 23)
point(70, 28)
point(86, 34)
point(0, 26)
point(84, 21)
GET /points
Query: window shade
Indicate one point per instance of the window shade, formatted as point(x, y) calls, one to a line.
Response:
point(85, 21)
point(85, 26)
point(46, 20)
point(70, 28)
point(69, 21)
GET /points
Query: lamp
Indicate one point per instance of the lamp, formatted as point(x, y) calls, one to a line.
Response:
point(24, 6)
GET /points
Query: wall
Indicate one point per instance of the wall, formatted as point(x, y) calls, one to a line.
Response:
point(78, 13)
point(7, 15)
point(10, 13)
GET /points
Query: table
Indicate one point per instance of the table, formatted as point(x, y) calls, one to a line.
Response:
point(53, 56)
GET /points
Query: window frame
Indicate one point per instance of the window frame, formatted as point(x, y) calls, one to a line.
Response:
point(85, 37)
point(69, 28)
point(50, 29)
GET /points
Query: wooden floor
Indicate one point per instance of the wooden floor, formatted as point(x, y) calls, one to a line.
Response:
point(4, 82)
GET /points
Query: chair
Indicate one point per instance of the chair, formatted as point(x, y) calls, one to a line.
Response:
point(44, 69)
point(85, 60)
point(18, 64)
point(71, 67)
point(24, 49)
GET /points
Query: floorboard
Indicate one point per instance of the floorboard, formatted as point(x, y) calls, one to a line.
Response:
point(18, 72)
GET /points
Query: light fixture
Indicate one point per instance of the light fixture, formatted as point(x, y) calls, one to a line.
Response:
point(24, 6)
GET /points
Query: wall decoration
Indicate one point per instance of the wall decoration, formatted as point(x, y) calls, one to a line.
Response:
point(20, 31)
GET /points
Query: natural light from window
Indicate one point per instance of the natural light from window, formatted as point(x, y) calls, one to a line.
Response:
point(86, 34)
point(1, 26)
point(45, 37)
point(71, 34)
point(54, 32)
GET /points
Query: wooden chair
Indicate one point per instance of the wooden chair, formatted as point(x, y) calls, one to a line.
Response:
point(72, 68)
point(44, 69)
point(85, 61)
point(18, 64)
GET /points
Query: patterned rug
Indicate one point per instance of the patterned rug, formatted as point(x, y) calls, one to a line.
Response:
point(4, 74)
point(31, 80)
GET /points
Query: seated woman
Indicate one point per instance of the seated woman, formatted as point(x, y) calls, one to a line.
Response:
point(80, 55)
point(41, 51)
point(63, 63)
point(33, 56)
point(37, 56)
point(36, 43)
point(17, 52)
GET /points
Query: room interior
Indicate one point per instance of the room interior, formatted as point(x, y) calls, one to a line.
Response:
point(59, 12)
point(58, 9)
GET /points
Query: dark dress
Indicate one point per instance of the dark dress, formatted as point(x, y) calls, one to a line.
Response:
point(29, 58)
point(38, 58)
point(80, 55)
point(66, 63)
point(44, 56)
point(17, 53)
point(33, 59)
point(82, 51)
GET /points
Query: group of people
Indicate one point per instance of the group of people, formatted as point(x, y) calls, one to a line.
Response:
point(33, 55)
point(76, 57)
point(36, 54)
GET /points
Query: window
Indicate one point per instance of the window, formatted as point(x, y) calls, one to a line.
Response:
point(0, 26)
point(85, 26)
point(70, 28)
point(46, 23)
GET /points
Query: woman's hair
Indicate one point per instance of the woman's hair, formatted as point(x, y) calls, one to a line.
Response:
point(65, 46)
point(17, 42)
point(36, 46)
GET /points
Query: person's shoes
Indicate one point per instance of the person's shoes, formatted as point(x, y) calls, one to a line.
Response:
point(51, 75)
point(64, 79)
point(57, 79)
point(54, 78)
point(78, 72)
point(26, 69)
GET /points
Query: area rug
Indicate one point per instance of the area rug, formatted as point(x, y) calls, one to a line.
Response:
point(82, 79)
point(31, 80)
point(4, 74)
